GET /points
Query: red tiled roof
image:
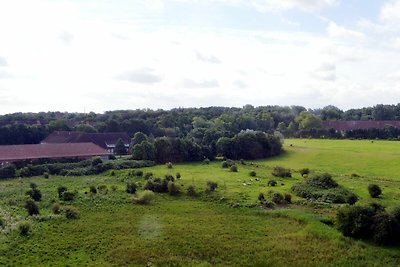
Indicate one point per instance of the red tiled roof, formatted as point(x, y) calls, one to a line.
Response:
point(100, 139)
point(39, 151)
point(352, 125)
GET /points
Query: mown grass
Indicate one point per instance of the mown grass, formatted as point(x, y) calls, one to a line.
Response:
point(204, 231)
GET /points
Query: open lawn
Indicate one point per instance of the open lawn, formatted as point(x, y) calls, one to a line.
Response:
point(205, 230)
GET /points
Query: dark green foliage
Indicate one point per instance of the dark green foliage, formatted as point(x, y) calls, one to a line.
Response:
point(173, 189)
point(277, 198)
point(56, 208)
point(33, 170)
point(68, 196)
point(46, 175)
point(169, 177)
point(279, 171)
point(304, 171)
point(35, 194)
point(31, 207)
point(120, 148)
point(287, 198)
point(211, 186)
point(374, 190)
point(206, 161)
point(272, 183)
point(60, 190)
point(148, 175)
point(191, 191)
point(370, 222)
point(24, 228)
point(178, 175)
point(169, 165)
point(157, 185)
point(93, 189)
point(252, 173)
point(322, 181)
point(131, 188)
point(324, 188)
point(8, 171)
point(233, 168)
point(112, 157)
point(138, 173)
point(138, 138)
point(2, 223)
point(144, 197)
point(71, 212)
point(144, 151)
point(261, 197)
point(224, 164)
point(96, 161)
point(102, 189)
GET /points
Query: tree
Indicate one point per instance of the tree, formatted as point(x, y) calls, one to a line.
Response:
point(138, 138)
point(308, 121)
point(144, 151)
point(120, 147)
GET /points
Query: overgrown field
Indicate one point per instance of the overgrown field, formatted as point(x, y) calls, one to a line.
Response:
point(222, 228)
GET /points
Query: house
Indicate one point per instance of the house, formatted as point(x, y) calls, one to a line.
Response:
point(14, 153)
point(104, 140)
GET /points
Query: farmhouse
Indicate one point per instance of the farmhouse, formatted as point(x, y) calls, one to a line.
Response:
point(104, 140)
point(342, 126)
point(14, 153)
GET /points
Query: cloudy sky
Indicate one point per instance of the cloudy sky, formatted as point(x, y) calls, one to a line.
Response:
point(98, 55)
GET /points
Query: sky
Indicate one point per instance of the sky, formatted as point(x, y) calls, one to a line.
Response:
point(100, 55)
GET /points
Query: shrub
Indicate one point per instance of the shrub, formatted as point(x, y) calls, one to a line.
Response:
point(68, 196)
point(46, 175)
point(211, 186)
point(169, 165)
point(173, 189)
point(191, 191)
point(148, 175)
point(138, 173)
point(131, 188)
point(384, 228)
point(322, 181)
point(178, 175)
point(144, 197)
point(33, 185)
point(206, 161)
point(103, 188)
point(261, 197)
point(304, 171)
point(157, 185)
point(112, 173)
point(56, 208)
point(233, 168)
point(60, 190)
point(374, 190)
point(31, 207)
point(93, 189)
point(24, 228)
point(71, 212)
point(277, 198)
point(252, 173)
point(242, 162)
point(224, 165)
point(8, 171)
point(35, 194)
point(279, 171)
point(169, 177)
point(287, 198)
point(112, 157)
point(96, 161)
point(272, 183)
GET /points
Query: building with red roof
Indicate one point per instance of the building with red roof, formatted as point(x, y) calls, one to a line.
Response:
point(13, 153)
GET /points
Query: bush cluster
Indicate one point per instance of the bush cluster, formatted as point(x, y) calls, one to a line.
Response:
point(34, 193)
point(374, 190)
point(323, 188)
point(71, 212)
point(144, 197)
point(304, 171)
point(252, 173)
point(31, 207)
point(233, 168)
point(131, 188)
point(371, 222)
point(157, 185)
point(279, 171)
point(211, 186)
point(191, 191)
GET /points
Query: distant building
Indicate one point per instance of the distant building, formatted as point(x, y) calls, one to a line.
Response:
point(14, 153)
point(104, 140)
point(343, 126)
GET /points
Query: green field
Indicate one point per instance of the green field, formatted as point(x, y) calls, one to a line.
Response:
point(205, 231)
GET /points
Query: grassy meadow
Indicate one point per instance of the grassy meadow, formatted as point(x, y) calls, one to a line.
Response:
point(205, 230)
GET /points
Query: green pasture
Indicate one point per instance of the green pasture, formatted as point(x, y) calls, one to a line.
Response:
point(205, 230)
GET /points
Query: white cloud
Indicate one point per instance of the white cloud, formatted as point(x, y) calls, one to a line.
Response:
point(340, 32)
point(189, 83)
point(3, 61)
point(390, 12)
point(144, 76)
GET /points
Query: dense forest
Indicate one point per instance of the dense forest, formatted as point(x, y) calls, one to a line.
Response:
point(204, 126)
